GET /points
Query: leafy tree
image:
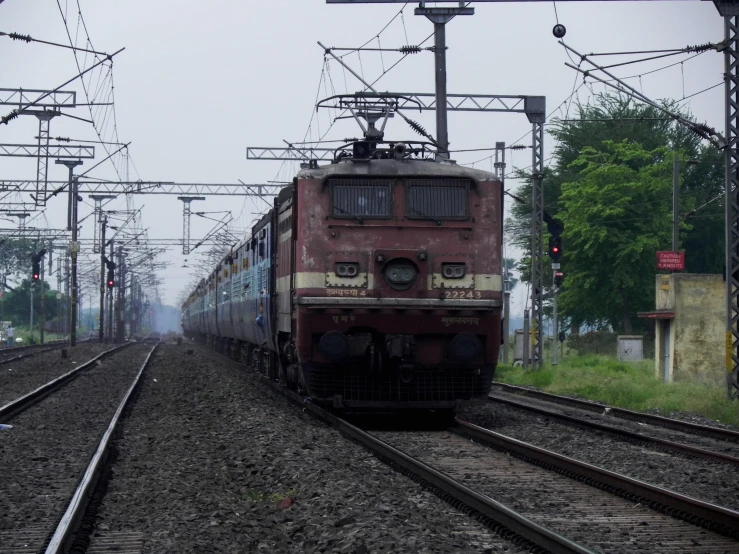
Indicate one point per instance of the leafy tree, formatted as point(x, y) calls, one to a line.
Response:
point(15, 260)
point(615, 219)
point(509, 264)
point(619, 120)
point(16, 304)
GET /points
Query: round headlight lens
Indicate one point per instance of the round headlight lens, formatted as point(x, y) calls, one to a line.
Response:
point(400, 275)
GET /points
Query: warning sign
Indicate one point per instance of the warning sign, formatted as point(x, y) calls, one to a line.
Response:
point(671, 261)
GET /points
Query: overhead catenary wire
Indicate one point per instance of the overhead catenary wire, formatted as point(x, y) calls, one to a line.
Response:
point(702, 130)
point(29, 39)
point(16, 112)
point(417, 128)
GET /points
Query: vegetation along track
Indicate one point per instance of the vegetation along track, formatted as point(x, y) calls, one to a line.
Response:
point(51, 442)
point(707, 448)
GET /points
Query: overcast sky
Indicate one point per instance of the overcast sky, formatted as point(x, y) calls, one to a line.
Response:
point(201, 81)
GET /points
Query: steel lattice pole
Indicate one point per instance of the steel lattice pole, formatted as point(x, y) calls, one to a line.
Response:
point(42, 164)
point(731, 57)
point(537, 246)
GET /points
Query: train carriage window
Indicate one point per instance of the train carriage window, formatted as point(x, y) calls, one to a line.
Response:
point(437, 198)
point(361, 198)
point(247, 282)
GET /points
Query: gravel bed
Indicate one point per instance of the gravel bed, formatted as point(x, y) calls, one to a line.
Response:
point(584, 514)
point(46, 452)
point(706, 480)
point(23, 376)
point(212, 460)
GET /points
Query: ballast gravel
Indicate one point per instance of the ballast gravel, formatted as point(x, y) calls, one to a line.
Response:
point(706, 480)
point(212, 460)
point(49, 447)
point(22, 376)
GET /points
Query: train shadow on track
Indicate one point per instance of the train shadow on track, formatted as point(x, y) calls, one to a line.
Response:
point(401, 420)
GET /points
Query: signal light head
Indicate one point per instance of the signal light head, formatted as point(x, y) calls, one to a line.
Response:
point(555, 248)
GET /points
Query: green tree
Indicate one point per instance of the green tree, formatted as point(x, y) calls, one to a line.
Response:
point(15, 260)
point(16, 304)
point(615, 219)
point(619, 120)
point(510, 265)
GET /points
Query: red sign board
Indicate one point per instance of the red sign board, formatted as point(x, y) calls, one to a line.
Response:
point(671, 261)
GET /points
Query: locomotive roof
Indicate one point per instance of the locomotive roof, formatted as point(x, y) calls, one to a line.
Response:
point(390, 167)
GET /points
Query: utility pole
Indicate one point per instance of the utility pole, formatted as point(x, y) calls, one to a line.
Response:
point(675, 202)
point(101, 331)
point(31, 290)
point(439, 17)
point(42, 304)
point(500, 173)
point(186, 200)
point(555, 323)
point(507, 312)
point(526, 338)
point(74, 246)
point(65, 309)
point(99, 245)
point(109, 332)
point(120, 331)
point(42, 166)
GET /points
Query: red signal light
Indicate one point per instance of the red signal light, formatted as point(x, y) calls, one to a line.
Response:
point(111, 283)
point(35, 276)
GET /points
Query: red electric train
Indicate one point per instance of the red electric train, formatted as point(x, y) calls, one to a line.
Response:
point(374, 282)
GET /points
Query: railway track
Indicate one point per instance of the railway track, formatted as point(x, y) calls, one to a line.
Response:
point(620, 413)
point(543, 501)
point(633, 436)
point(13, 354)
point(52, 440)
point(521, 531)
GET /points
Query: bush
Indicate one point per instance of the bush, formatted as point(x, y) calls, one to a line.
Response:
point(595, 342)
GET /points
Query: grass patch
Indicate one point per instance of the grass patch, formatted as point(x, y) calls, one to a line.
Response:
point(259, 497)
point(633, 386)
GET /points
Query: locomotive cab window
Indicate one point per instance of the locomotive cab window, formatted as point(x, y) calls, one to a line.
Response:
point(361, 198)
point(437, 198)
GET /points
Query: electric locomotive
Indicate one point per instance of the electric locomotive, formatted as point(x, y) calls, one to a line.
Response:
point(374, 282)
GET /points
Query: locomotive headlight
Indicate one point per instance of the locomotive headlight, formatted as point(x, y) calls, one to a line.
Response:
point(347, 270)
point(453, 271)
point(400, 274)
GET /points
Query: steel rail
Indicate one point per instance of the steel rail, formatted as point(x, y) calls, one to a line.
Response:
point(81, 497)
point(444, 486)
point(665, 444)
point(24, 402)
point(715, 518)
point(30, 349)
point(660, 421)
